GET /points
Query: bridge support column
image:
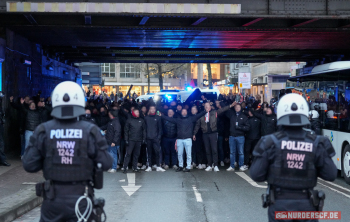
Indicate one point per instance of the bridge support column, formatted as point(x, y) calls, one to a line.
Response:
point(200, 75)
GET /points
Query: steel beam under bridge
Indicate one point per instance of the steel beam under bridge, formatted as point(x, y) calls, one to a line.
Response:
point(251, 8)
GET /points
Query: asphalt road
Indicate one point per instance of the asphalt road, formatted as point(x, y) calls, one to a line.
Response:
point(197, 196)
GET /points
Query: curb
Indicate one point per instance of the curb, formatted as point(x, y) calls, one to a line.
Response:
point(18, 210)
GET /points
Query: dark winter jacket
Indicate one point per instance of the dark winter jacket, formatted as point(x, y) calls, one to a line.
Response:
point(213, 116)
point(113, 133)
point(169, 129)
point(268, 123)
point(88, 119)
point(135, 129)
point(255, 125)
point(33, 119)
point(103, 120)
point(185, 124)
point(153, 127)
point(316, 126)
point(238, 123)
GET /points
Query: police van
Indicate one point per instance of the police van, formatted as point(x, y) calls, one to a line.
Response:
point(166, 95)
point(144, 97)
point(196, 93)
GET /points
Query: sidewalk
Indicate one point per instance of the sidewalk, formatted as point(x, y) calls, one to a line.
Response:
point(17, 190)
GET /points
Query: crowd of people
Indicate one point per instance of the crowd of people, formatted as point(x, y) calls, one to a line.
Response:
point(200, 134)
point(158, 136)
point(148, 135)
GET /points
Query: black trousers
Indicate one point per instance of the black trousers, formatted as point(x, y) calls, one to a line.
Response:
point(211, 148)
point(143, 154)
point(62, 207)
point(153, 145)
point(170, 155)
point(134, 146)
point(248, 150)
point(290, 205)
point(2, 147)
point(121, 151)
point(198, 152)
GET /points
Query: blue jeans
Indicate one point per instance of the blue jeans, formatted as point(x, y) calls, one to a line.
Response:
point(221, 148)
point(113, 150)
point(187, 144)
point(27, 136)
point(236, 143)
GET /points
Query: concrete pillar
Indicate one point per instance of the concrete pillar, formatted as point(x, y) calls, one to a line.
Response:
point(142, 90)
point(187, 74)
point(200, 75)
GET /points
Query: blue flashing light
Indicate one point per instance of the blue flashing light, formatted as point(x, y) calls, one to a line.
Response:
point(189, 88)
point(168, 97)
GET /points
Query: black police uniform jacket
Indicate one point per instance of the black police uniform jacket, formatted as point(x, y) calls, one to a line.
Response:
point(293, 159)
point(66, 150)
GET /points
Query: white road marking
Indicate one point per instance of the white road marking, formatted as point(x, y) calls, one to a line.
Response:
point(131, 188)
point(122, 181)
point(337, 191)
point(29, 183)
point(197, 194)
point(249, 180)
point(333, 184)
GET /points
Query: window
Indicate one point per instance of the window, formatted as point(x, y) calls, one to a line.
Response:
point(108, 70)
point(279, 79)
point(129, 70)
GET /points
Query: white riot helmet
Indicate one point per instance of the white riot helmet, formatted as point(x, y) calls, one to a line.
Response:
point(68, 101)
point(314, 114)
point(330, 114)
point(314, 106)
point(292, 110)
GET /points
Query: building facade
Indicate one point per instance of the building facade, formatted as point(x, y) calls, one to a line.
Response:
point(269, 78)
point(118, 77)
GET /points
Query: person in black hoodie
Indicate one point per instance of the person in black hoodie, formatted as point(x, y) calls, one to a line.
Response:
point(184, 126)
point(154, 135)
point(252, 137)
point(168, 141)
point(103, 119)
point(198, 151)
point(113, 135)
point(268, 121)
point(135, 135)
point(221, 127)
point(87, 117)
point(238, 126)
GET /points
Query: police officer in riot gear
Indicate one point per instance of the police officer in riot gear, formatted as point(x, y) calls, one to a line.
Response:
point(69, 152)
point(291, 159)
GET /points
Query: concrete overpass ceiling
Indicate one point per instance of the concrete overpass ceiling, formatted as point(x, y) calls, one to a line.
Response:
point(265, 30)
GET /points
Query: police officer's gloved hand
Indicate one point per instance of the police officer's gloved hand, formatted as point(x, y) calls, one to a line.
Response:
point(126, 142)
